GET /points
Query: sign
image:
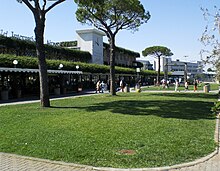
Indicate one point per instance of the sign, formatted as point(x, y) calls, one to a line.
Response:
point(21, 37)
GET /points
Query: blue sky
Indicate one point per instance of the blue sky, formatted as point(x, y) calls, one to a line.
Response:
point(176, 24)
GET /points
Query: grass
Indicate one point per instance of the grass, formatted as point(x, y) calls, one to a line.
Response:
point(213, 86)
point(131, 130)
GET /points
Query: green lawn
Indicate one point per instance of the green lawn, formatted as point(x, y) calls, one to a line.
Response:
point(155, 129)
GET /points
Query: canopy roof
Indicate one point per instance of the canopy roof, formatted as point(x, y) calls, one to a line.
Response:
point(2, 69)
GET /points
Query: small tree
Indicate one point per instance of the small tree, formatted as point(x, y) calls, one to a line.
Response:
point(111, 16)
point(210, 38)
point(39, 10)
point(158, 52)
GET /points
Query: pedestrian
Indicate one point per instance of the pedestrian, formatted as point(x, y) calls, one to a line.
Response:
point(176, 85)
point(102, 87)
point(122, 85)
point(163, 83)
point(168, 84)
point(186, 85)
point(155, 82)
point(195, 85)
point(97, 86)
point(138, 86)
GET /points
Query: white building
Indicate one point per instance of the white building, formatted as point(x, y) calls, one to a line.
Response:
point(91, 40)
point(178, 67)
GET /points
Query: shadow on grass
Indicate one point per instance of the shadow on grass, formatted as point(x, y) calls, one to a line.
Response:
point(188, 95)
point(166, 109)
point(64, 107)
point(181, 109)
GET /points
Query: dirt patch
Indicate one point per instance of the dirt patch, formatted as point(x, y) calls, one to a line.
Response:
point(127, 152)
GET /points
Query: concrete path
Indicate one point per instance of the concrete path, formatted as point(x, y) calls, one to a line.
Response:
point(211, 165)
point(11, 162)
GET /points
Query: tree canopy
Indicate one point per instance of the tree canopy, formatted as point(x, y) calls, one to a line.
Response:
point(111, 16)
point(157, 51)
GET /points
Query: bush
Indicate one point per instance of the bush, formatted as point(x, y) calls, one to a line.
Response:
point(216, 108)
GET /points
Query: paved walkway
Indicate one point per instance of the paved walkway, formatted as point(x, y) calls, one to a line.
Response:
point(11, 162)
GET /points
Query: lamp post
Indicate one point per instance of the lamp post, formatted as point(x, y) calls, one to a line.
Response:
point(185, 69)
point(138, 70)
point(15, 62)
point(77, 67)
point(166, 71)
point(185, 72)
point(78, 87)
point(60, 66)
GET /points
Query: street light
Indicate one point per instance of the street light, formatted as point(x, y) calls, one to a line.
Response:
point(15, 62)
point(78, 88)
point(60, 66)
point(185, 69)
point(185, 72)
point(138, 70)
point(77, 67)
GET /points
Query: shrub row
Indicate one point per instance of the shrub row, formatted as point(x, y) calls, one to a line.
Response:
point(6, 60)
point(122, 50)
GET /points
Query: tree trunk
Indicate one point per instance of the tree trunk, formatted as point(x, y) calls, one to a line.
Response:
point(39, 34)
point(112, 65)
point(158, 72)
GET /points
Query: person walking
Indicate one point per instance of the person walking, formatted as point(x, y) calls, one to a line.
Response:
point(176, 85)
point(97, 87)
point(122, 85)
point(102, 87)
point(186, 85)
point(195, 85)
point(155, 82)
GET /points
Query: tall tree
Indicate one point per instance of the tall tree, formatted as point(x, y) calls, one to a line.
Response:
point(157, 52)
point(39, 8)
point(111, 16)
point(210, 38)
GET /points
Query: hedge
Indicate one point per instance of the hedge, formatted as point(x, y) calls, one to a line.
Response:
point(6, 60)
point(122, 50)
point(27, 48)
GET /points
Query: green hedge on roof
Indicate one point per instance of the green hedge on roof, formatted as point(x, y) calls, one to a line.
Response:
point(22, 47)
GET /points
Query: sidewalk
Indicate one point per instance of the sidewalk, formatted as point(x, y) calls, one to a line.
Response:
point(35, 99)
point(11, 162)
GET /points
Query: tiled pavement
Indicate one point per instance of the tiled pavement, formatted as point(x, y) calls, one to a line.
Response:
point(10, 162)
point(211, 165)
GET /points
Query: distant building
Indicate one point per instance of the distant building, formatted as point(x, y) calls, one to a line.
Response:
point(178, 67)
point(146, 64)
